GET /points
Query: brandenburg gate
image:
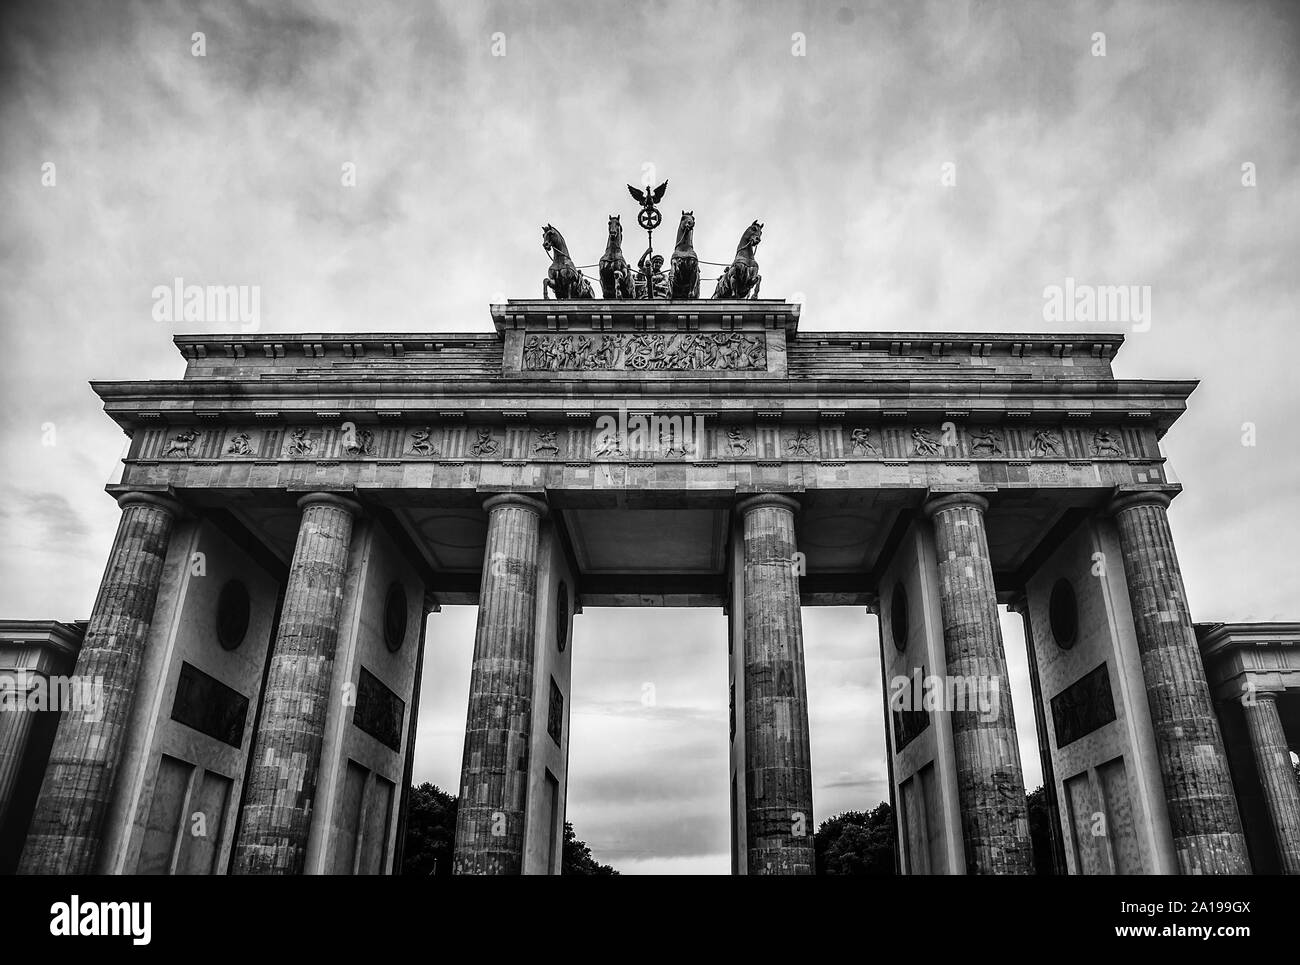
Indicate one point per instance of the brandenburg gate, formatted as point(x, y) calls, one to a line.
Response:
point(295, 506)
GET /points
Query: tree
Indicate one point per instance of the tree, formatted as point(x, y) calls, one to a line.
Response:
point(856, 843)
point(431, 838)
point(577, 859)
point(430, 831)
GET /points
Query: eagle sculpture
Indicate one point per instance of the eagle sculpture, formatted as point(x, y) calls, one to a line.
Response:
point(654, 196)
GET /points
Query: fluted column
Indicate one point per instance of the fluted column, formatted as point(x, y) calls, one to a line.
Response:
point(1193, 765)
point(68, 824)
point(280, 799)
point(1281, 792)
point(494, 771)
point(990, 781)
point(778, 761)
point(15, 729)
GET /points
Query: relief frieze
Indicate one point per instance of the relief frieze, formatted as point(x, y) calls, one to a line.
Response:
point(645, 352)
point(644, 436)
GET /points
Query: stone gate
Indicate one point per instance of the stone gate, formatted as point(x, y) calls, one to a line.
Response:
point(296, 505)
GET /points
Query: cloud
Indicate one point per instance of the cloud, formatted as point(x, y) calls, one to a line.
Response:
point(48, 518)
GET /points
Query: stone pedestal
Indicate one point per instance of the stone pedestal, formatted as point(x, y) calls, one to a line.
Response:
point(68, 824)
point(990, 782)
point(1276, 777)
point(278, 804)
point(1193, 766)
point(778, 769)
point(490, 822)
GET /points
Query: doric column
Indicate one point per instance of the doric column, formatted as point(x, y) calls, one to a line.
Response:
point(494, 771)
point(15, 729)
point(1193, 766)
point(1281, 792)
point(280, 799)
point(990, 782)
point(778, 761)
point(68, 824)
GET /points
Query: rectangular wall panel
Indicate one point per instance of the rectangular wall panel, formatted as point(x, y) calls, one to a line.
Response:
point(1090, 858)
point(198, 854)
point(1119, 818)
point(346, 815)
point(934, 829)
point(917, 839)
point(378, 821)
point(166, 816)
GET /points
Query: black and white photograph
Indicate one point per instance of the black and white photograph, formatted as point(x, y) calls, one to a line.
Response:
point(670, 440)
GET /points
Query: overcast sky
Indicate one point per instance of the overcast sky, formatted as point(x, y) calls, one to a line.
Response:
point(227, 169)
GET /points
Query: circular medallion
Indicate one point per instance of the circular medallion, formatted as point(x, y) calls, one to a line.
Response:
point(898, 617)
point(562, 617)
point(1063, 614)
point(233, 608)
point(649, 218)
point(395, 618)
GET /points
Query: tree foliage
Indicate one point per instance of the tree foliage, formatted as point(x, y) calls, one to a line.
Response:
point(431, 837)
point(430, 831)
point(856, 843)
point(577, 859)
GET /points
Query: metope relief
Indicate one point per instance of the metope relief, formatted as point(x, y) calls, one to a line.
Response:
point(181, 445)
point(985, 442)
point(241, 444)
point(545, 443)
point(860, 443)
point(1047, 444)
point(420, 442)
point(300, 443)
point(924, 442)
point(485, 444)
point(1106, 444)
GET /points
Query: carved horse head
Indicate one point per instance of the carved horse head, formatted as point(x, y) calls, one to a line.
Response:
point(685, 232)
point(553, 244)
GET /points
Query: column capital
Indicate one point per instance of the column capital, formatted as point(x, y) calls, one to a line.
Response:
point(1131, 499)
point(531, 503)
point(331, 499)
point(768, 500)
point(938, 502)
point(1257, 695)
point(138, 497)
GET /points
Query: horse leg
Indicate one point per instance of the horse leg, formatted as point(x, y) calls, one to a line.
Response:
point(547, 283)
point(758, 280)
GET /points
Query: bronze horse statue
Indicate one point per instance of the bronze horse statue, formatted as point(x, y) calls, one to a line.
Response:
point(563, 277)
point(684, 280)
point(615, 275)
point(741, 279)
